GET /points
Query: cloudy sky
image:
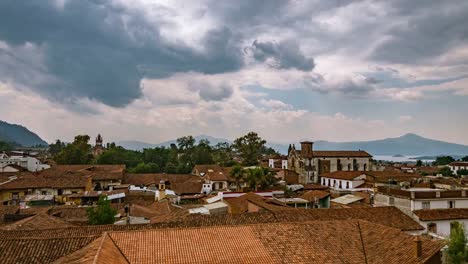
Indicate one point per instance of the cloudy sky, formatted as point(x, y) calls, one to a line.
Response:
point(290, 70)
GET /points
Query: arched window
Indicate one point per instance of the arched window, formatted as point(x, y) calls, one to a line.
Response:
point(338, 165)
point(347, 184)
point(349, 167)
point(365, 167)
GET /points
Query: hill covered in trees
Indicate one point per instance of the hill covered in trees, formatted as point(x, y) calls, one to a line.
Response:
point(179, 157)
point(18, 135)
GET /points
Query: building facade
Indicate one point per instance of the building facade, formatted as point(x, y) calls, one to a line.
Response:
point(457, 166)
point(29, 163)
point(310, 164)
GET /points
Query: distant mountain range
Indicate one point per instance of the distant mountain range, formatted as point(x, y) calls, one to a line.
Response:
point(138, 145)
point(408, 145)
point(20, 135)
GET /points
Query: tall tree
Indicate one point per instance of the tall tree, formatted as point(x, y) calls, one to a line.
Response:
point(56, 147)
point(223, 154)
point(419, 163)
point(238, 174)
point(457, 250)
point(102, 214)
point(445, 171)
point(5, 146)
point(186, 146)
point(443, 160)
point(464, 158)
point(119, 155)
point(78, 152)
point(203, 153)
point(249, 147)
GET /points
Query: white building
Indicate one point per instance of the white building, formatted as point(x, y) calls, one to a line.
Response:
point(343, 180)
point(30, 163)
point(458, 165)
point(438, 222)
point(409, 200)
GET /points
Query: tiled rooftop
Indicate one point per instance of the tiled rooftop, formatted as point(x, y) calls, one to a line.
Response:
point(311, 195)
point(37, 222)
point(72, 236)
point(353, 241)
point(442, 214)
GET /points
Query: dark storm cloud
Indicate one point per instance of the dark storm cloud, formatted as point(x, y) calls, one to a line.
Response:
point(100, 50)
point(286, 54)
point(432, 28)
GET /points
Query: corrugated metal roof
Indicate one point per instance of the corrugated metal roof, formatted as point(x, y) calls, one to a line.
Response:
point(347, 199)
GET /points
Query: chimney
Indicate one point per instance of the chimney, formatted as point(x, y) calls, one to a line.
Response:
point(417, 243)
point(306, 149)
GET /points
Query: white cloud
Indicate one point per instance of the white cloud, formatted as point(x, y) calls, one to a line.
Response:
point(405, 118)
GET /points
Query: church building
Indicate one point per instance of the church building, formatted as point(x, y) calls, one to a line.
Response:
point(311, 164)
point(98, 148)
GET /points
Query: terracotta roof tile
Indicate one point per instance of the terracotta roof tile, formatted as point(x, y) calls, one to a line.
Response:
point(179, 183)
point(70, 181)
point(41, 250)
point(38, 222)
point(442, 214)
point(354, 241)
point(311, 195)
point(240, 204)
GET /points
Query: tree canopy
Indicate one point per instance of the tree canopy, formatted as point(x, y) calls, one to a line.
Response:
point(443, 160)
point(250, 148)
point(178, 158)
point(102, 213)
point(78, 152)
point(5, 146)
point(457, 250)
point(445, 171)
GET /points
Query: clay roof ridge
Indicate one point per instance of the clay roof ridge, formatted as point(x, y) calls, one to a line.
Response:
point(362, 241)
point(117, 246)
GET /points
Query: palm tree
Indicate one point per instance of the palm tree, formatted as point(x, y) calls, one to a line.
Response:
point(255, 177)
point(238, 174)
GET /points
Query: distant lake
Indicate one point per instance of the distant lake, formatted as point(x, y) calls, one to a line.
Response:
point(400, 158)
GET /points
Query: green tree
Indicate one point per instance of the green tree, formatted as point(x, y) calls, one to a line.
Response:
point(462, 172)
point(419, 163)
point(102, 213)
point(56, 147)
point(223, 154)
point(237, 173)
point(259, 176)
point(464, 158)
point(78, 152)
point(5, 146)
point(119, 155)
point(249, 147)
point(203, 153)
point(146, 168)
point(186, 146)
point(443, 160)
point(445, 171)
point(457, 251)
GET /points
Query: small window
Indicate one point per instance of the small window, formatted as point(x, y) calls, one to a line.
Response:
point(391, 201)
point(432, 227)
point(451, 204)
point(426, 205)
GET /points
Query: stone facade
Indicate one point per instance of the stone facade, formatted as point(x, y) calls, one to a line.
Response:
point(310, 164)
